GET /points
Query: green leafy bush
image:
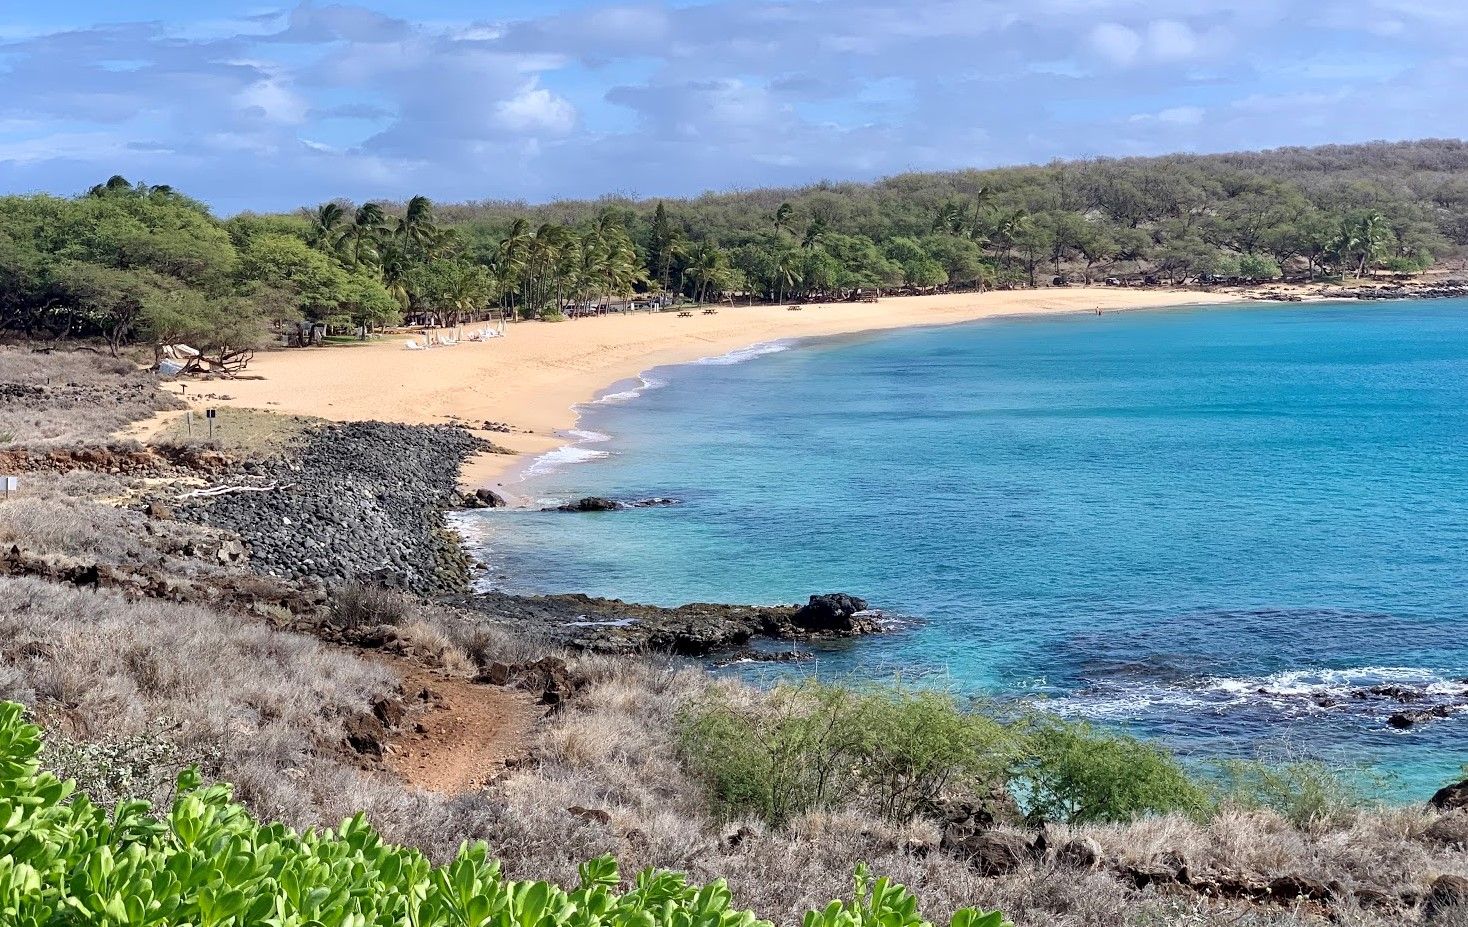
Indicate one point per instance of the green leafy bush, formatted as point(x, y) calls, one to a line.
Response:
point(1078, 774)
point(894, 751)
point(66, 861)
point(1305, 792)
point(814, 746)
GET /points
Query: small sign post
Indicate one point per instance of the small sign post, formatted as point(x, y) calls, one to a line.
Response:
point(209, 414)
point(189, 417)
point(10, 484)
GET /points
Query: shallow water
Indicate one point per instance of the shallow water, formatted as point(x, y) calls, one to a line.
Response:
point(1199, 524)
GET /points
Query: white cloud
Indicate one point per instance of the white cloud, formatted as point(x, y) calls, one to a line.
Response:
point(338, 99)
point(275, 101)
point(1170, 40)
point(1172, 116)
point(1116, 42)
point(537, 110)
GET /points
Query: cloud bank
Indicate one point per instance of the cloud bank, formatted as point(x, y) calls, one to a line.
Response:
point(280, 108)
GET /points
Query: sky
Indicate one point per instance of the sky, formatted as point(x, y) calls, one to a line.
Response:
point(268, 106)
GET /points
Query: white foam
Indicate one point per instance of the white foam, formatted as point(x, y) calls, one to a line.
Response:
point(644, 383)
point(1290, 690)
point(563, 456)
point(745, 354)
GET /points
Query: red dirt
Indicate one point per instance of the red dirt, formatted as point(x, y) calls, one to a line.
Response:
point(459, 741)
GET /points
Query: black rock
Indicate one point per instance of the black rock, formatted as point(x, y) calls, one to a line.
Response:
point(590, 504)
point(830, 612)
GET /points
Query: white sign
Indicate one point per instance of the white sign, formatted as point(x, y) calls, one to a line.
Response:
point(10, 483)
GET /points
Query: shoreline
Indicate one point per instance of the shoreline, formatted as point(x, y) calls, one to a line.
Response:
point(536, 379)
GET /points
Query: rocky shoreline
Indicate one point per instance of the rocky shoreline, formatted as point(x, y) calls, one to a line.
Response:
point(362, 501)
point(365, 502)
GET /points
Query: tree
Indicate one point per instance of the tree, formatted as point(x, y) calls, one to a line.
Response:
point(326, 227)
point(363, 237)
point(782, 218)
point(1363, 236)
point(661, 247)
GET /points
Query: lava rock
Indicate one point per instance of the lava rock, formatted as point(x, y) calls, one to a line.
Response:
point(590, 504)
point(1447, 894)
point(1450, 797)
point(366, 735)
point(995, 853)
point(830, 612)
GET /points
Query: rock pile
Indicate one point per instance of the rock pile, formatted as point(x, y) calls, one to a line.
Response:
point(363, 500)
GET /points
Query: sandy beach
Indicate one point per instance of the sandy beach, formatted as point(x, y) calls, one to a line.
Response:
point(533, 378)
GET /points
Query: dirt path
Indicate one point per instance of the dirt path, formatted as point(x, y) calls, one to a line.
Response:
point(463, 737)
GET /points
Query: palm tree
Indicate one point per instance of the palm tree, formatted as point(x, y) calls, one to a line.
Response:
point(708, 266)
point(1363, 236)
point(362, 236)
point(115, 184)
point(414, 229)
point(326, 227)
point(814, 234)
point(782, 218)
point(787, 274)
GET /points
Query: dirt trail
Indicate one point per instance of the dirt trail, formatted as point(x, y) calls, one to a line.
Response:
point(462, 738)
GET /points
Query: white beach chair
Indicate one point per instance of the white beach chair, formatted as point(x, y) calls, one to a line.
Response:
point(412, 345)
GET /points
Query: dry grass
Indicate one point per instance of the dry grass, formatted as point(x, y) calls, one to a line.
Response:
point(82, 515)
point(237, 431)
point(96, 666)
point(269, 706)
point(82, 396)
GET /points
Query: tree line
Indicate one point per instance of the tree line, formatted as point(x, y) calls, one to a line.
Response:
point(129, 261)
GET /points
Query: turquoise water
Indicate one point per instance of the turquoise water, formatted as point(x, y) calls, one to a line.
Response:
point(1203, 525)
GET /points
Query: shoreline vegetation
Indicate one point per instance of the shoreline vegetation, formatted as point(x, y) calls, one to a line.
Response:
point(283, 606)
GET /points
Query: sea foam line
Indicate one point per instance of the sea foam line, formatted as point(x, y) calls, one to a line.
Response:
point(740, 355)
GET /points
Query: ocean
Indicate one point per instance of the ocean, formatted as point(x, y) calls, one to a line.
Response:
point(1218, 527)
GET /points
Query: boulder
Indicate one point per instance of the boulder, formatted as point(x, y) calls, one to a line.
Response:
point(550, 678)
point(830, 612)
point(594, 815)
point(1079, 853)
point(1447, 894)
point(971, 815)
point(591, 504)
point(994, 852)
point(490, 499)
point(390, 711)
point(366, 735)
point(1450, 797)
point(1450, 830)
point(1292, 887)
point(159, 511)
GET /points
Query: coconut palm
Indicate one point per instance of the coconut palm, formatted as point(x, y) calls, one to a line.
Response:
point(782, 217)
point(361, 239)
point(326, 227)
point(1362, 238)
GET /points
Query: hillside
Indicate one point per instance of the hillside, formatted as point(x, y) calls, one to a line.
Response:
point(144, 262)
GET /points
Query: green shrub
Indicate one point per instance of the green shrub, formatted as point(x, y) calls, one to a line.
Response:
point(812, 746)
point(1078, 774)
point(66, 861)
point(1304, 791)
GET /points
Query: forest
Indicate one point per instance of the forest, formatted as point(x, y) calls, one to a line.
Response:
point(134, 262)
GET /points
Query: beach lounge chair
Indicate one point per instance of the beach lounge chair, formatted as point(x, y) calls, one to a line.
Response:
point(412, 345)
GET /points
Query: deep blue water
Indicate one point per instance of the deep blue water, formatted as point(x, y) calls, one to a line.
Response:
point(1186, 522)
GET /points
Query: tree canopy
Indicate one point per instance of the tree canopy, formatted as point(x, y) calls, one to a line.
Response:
point(132, 261)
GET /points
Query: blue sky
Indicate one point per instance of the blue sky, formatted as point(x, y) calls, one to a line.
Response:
point(258, 105)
